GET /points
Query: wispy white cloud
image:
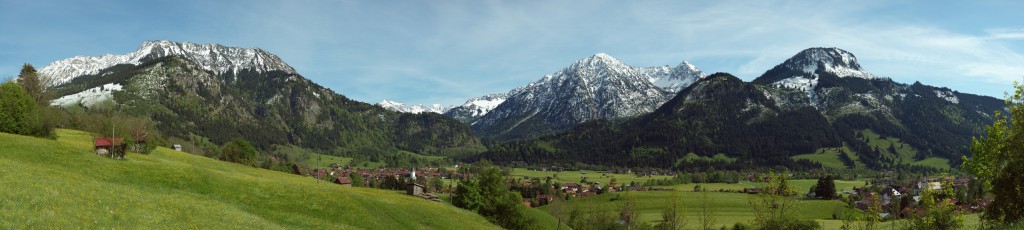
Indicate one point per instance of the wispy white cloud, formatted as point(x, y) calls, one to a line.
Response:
point(1006, 33)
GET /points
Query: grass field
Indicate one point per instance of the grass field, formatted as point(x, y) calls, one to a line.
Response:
point(729, 208)
point(934, 162)
point(576, 176)
point(801, 186)
point(904, 152)
point(693, 157)
point(309, 158)
point(60, 184)
point(829, 157)
point(543, 220)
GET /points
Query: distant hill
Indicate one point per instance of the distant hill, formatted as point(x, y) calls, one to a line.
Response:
point(60, 184)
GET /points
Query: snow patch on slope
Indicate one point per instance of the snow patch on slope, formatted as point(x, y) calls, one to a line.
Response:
point(89, 97)
point(803, 84)
point(948, 96)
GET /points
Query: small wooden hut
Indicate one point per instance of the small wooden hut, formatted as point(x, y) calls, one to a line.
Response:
point(110, 147)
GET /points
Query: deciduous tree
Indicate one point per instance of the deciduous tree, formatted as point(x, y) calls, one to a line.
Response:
point(673, 217)
point(997, 159)
point(15, 109)
point(775, 208)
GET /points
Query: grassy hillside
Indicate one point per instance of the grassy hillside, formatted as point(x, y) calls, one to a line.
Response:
point(61, 184)
point(829, 157)
point(904, 153)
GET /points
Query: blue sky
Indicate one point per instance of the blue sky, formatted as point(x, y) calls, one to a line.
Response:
point(448, 51)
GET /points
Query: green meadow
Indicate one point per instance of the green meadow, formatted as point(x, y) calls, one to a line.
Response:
point(729, 208)
point(800, 186)
point(577, 176)
point(904, 153)
point(61, 184)
point(829, 157)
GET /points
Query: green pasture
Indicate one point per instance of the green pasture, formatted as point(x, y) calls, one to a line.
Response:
point(829, 157)
point(728, 208)
point(801, 186)
point(577, 176)
point(61, 184)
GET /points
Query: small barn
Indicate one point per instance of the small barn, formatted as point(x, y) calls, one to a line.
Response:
point(415, 189)
point(112, 147)
point(177, 147)
point(344, 181)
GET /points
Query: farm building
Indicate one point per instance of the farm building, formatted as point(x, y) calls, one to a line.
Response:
point(112, 147)
point(415, 189)
point(344, 181)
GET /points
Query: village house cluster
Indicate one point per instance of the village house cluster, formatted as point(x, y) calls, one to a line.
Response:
point(416, 182)
point(894, 195)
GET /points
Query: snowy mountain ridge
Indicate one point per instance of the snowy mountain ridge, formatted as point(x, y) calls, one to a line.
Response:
point(595, 87)
point(212, 57)
point(832, 60)
point(402, 107)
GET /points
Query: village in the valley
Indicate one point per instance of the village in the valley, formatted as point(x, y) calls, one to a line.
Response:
point(891, 195)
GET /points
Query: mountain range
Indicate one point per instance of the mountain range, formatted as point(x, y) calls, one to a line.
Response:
point(820, 99)
point(596, 87)
point(597, 110)
point(223, 93)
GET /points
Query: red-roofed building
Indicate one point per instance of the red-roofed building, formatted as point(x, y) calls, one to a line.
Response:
point(345, 181)
point(113, 147)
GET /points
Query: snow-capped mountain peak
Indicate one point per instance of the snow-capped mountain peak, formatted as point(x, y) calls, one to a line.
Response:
point(833, 60)
point(595, 87)
point(597, 61)
point(212, 57)
point(675, 79)
point(401, 107)
point(481, 105)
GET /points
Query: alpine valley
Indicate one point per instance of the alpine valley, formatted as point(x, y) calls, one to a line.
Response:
point(598, 111)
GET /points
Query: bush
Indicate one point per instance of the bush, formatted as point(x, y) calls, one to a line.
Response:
point(239, 151)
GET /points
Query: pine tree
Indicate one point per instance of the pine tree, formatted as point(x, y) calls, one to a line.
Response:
point(29, 80)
